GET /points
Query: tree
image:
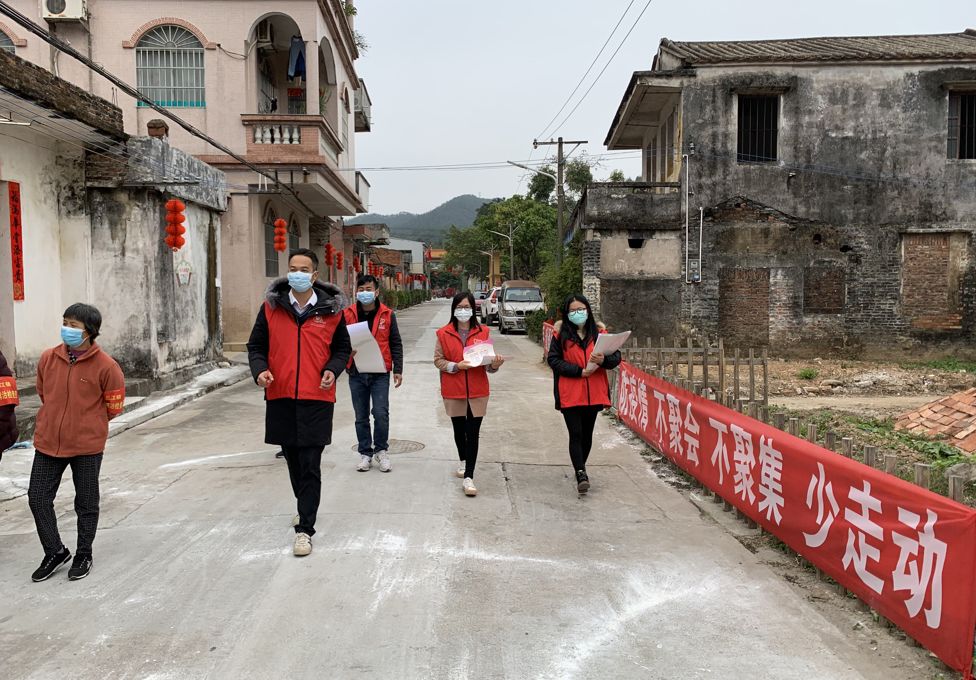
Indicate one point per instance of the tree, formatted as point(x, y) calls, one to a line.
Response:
point(464, 248)
point(617, 176)
point(579, 174)
point(541, 187)
point(534, 236)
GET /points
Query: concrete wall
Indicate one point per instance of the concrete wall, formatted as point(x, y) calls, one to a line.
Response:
point(55, 241)
point(840, 128)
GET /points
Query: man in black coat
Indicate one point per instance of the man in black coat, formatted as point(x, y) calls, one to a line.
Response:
point(8, 401)
point(298, 347)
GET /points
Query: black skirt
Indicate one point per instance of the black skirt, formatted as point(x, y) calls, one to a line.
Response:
point(298, 422)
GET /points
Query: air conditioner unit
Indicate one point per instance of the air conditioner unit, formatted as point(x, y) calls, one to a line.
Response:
point(265, 35)
point(64, 10)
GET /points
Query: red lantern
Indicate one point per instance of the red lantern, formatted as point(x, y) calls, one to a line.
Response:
point(399, 277)
point(280, 235)
point(357, 265)
point(329, 254)
point(174, 224)
point(339, 260)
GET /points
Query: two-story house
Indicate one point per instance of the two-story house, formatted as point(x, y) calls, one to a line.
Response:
point(802, 194)
point(274, 81)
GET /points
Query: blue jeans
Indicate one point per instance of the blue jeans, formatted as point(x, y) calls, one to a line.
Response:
point(375, 387)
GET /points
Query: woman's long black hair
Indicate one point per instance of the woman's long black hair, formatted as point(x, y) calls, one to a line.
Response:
point(568, 329)
point(465, 295)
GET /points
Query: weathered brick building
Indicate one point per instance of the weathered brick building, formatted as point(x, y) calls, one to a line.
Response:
point(830, 187)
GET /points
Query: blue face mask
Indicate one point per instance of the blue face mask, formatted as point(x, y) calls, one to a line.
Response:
point(578, 317)
point(300, 282)
point(72, 337)
point(367, 297)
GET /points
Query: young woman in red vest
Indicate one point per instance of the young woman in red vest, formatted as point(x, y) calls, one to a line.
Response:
point(580, 381)
point(374, 387)
point(464, 387)
point(298, 347)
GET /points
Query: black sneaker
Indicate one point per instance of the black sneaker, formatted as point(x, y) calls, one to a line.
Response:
point(280, 454)
point(582, 481)
point(80, 568)
point(51, 564)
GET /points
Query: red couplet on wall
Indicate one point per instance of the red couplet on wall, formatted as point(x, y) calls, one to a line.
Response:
point(16, 240)
point(905, 551)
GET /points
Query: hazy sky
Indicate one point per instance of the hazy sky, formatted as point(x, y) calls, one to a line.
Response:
point(469, 81)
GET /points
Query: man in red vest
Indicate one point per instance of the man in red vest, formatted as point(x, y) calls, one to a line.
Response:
point(298, 347)
point(374, 387)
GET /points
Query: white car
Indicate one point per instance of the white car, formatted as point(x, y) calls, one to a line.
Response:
point(489, 308)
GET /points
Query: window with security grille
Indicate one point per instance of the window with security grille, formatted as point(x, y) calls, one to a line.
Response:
point(962, 125)
point(169, 68)
point(758, 128)
point(6, 44)
point(271, 269)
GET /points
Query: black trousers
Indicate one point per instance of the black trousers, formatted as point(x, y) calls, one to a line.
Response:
point(467, 430)
point(580, 421)
point(305, 471)
point(45, 479)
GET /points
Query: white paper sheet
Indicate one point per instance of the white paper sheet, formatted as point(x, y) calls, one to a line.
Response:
point(481, 354)
point(608, 343)
point(368, 357)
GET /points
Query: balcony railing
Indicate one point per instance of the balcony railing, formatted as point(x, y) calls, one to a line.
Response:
point(364, 108)
point(291, 138)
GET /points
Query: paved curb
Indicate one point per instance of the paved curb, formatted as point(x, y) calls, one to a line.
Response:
point(164, 402)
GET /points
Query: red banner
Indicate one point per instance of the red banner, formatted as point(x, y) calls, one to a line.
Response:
point(8, 391)
point(16, 240)
point(548, 330)
point(905, 551)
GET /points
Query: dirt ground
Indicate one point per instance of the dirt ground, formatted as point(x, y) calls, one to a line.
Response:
point(830, 377)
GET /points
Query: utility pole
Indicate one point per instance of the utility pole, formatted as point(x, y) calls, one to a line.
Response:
point(560, 190)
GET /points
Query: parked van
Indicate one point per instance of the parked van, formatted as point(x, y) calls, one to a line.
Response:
point(518, 299)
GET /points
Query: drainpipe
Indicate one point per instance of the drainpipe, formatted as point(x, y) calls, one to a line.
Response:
point(684, 158)
point(701, 235)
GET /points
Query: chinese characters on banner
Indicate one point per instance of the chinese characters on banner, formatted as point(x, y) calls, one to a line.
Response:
point(907, 552)
point(8, 391)
point(16, 240)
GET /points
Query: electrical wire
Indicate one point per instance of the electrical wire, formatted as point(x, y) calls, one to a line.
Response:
point(588, 69)
point(603, 70)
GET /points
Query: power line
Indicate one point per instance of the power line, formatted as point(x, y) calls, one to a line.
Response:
point(605, 67)
point(588, 69)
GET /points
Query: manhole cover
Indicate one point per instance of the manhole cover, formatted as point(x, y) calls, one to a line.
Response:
point(400, 446)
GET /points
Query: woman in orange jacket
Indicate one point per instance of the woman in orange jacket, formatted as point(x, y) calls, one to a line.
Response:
point(81, 389)
point(580, 383)
point(464, 387)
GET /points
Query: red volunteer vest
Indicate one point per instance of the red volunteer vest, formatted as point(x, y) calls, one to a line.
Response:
point(297, 355)
point(470, 384)
point(592, 391)
point(381, 330)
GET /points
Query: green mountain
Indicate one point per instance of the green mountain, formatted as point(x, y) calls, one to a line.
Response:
point(431, 226)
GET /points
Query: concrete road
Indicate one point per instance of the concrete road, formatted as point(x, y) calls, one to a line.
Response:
point(194, 578)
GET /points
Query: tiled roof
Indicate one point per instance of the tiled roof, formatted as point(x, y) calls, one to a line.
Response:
point(952, 418)
point(949, 46)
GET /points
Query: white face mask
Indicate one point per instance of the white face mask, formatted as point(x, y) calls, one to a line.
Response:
point(463, 314)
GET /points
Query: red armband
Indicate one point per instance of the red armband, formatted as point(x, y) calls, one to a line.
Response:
point(8, 391)
point(115, 401)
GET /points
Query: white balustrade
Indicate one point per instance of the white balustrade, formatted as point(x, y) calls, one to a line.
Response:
point(287, 133)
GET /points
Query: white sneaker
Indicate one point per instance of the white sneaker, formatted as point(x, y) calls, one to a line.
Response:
point(296, 520)
point(303, 545)
point(365, 462)
point(468, 486)
point(459, 473)
point(384, 458)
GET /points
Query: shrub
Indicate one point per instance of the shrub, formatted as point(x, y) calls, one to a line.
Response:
point(807, 373)
point(533, 324)
point(401, 299)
